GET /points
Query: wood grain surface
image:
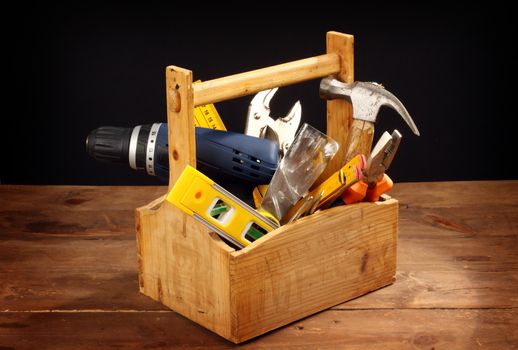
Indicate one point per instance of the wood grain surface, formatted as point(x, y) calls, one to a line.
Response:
point(68, 276)
point(339, 114)
point(247, 83)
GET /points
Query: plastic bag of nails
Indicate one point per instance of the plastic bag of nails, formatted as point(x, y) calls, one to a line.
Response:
point(305, 160)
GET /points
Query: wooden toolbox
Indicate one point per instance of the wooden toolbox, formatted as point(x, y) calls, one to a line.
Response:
point(299, 269)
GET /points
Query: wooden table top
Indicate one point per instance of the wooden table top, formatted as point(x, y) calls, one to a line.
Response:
point(68, 276)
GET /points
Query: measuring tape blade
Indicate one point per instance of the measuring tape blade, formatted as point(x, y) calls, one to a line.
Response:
point(206, 116)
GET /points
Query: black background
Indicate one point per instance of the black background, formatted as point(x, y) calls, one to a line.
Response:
point(73, 68)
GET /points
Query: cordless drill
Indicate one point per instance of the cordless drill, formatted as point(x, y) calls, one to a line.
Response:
point(217, 152)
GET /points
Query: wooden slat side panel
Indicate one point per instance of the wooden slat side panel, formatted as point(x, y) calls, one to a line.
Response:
point(184, 267)
point(328, 330)
point(313, 264)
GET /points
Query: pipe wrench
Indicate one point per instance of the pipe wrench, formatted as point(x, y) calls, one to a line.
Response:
point(281, 130)
point(375, 181)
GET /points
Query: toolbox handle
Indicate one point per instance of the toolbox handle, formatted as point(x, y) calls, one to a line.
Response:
point(237, 85)
point(182, 96)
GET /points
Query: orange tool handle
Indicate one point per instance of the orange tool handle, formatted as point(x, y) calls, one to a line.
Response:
point(355, 193)
point(384, 185)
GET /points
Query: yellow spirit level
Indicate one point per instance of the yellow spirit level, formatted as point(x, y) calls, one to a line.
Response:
point(219, 210)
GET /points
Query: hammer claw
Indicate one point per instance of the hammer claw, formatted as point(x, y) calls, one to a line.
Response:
point(366, 99)
point(388, 99)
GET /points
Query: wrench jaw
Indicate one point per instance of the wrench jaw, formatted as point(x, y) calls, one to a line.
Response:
point(287, 127)
point(267, 98)
point(281, 130)
point(259, 112)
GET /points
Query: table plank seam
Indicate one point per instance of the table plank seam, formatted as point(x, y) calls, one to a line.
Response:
point(331, 309)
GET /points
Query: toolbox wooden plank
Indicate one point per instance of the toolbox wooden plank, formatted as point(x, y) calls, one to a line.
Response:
point(183, 266)
point(180, 121)
point(292, 274)
point(334, 329)
point(339, 111)
point(242, 84)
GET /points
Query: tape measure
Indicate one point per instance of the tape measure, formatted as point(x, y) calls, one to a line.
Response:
point(206, 116)
point(258, 194)
point(219, 210)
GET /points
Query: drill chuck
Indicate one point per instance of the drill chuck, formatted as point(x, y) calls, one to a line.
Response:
point(142, 147)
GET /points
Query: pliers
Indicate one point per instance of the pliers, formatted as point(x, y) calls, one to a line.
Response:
point(281, 130)
point(375, 181)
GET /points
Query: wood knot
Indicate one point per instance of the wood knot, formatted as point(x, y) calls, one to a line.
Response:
point(424, 340)
point(176, 102)
point(76, 201)
point(175, 155)
point(365, 259)
point(159, 289)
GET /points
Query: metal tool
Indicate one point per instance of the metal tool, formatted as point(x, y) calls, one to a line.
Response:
point(306, 159)
point(374, 180)
point(366, 99)
point(307, 203)
point(382, 156)
point(330, 189)
point(314, 205)
point(219, 210)
point(260, 124)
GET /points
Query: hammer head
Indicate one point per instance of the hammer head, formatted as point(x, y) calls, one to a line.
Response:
point(366, 98)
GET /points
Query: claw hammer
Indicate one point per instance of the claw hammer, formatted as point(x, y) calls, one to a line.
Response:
point(366, 99)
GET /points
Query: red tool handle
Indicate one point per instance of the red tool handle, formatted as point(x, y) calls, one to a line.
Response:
point(355, 193)
point(384, 185)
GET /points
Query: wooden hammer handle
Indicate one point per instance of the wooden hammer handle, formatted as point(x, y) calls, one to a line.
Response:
point(359, 140)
